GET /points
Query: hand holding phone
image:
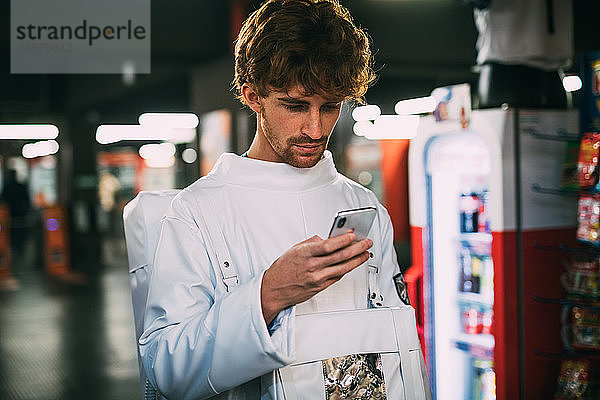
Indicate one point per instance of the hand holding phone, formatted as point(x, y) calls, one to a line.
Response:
point(314, 264)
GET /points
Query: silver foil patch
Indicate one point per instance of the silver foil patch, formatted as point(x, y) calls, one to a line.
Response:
point(356, 376)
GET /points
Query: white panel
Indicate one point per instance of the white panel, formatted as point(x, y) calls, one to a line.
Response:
point(542, 164)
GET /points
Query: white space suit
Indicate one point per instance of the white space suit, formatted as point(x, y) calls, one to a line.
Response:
point(201, 340)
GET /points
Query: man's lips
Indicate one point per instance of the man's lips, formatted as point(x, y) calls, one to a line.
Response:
point(308, 148)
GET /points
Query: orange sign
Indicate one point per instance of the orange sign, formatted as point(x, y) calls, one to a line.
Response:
point(55, 241)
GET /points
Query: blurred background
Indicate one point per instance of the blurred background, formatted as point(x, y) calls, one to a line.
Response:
point(66, 324)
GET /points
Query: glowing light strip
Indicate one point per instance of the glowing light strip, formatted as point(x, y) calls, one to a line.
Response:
point(388, 127)
point(366, 113)
point(419, 105)
point(40, 149)
point(158, 155)
point(28, 131)
point(106, 134)
point(169, 120)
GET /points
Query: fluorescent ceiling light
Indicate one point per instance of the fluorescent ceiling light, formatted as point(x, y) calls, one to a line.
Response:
point(366, 113)
point(571, 83)
point(106, 134)
point(39, 149)
point(363, 128)
point(28, 131)
point(161, 150)
point(169, 120)
point(419, 105)
point(158, 155)
point(389, 127)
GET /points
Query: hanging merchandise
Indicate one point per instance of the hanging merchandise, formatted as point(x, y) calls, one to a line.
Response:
point(582, 278)
point(583, 328)
point(590, 106)
point(588, 219)
point(578, 380)
point(588, 160)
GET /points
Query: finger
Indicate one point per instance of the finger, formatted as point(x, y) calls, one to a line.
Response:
point(306, 245)
point(330, 245)
point(337, 271)
point(346, 253)
point(312, 239)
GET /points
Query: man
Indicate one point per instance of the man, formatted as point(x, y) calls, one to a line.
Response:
point(205, 336)
point(16, 196)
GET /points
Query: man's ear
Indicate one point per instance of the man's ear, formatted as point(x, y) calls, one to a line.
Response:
point(251, 97)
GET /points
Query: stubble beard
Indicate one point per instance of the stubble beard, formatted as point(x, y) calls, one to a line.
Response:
point(285, 150)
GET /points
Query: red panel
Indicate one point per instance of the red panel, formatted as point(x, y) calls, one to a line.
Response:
point(414, 281)
point(394, 171)
point(541, 277)
point(506, 357)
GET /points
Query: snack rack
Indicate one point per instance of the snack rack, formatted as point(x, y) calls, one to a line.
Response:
point(578, 376)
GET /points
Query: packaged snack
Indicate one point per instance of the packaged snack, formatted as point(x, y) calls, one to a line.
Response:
point(587, 166)
point(588, 219)
point(573, 379)
point(487, 278)
point(484, 380)
point(584, 264)
point(582, 277)
point(476, 318)
point(476, 267)
point(465, 281)
point(483, 222)
point(469, 212)
point(487, 319)
point(585, 328)
point(582, 283)
point(470, 319)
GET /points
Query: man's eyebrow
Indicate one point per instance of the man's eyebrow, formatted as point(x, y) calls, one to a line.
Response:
point(298, 101)
point(292, 100)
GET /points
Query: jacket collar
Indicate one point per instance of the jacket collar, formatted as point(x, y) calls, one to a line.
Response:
point(233, 169)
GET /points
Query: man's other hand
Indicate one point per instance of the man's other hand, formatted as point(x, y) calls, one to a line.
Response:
point(308, 268)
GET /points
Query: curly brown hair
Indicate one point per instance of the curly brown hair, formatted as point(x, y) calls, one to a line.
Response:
point(310, 43)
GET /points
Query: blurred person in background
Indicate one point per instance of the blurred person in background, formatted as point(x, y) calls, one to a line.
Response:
point(208, 336)
point(16, 197)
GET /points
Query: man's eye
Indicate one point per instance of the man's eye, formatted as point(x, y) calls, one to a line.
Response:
point(294, 107)
point(331, 108)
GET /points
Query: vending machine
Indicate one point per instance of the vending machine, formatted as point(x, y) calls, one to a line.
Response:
point(483, 214)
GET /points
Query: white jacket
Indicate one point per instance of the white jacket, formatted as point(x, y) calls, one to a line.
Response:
point(202, 341)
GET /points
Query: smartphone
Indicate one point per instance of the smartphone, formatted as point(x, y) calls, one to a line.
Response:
point(358, 220)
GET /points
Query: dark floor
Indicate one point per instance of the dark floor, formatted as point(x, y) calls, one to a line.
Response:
point(68, 338)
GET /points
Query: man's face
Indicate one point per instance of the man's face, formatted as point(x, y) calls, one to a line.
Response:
point(295, 129)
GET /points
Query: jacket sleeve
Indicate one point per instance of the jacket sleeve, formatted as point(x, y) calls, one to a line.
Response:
point(389, 260)
point(196, 344)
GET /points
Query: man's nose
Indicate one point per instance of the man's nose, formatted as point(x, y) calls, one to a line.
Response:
point(312, 126)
